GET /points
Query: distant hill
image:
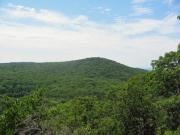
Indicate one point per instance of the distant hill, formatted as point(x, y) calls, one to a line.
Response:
point(90, 76)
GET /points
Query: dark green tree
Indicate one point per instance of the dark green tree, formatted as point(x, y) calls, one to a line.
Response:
point(139, 113)
point(16, 111)
point(167, 71)
point(178, 17)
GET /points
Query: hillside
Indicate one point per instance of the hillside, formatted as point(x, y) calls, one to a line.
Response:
point(90, 76)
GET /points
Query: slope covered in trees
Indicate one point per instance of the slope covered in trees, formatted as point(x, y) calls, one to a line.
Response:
point(91, 76)
point(146, 104)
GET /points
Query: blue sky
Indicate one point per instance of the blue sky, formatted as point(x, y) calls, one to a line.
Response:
point(96, 9)
point(132, 32)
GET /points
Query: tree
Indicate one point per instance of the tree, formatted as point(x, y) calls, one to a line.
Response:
point(167, 71)
point(17, 111)
point(137, 112)
point(178, 17)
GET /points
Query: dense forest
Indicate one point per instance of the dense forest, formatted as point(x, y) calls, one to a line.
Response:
point(134, 101)
point(64, 80)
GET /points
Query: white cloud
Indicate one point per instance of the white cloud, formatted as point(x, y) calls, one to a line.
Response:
point(136, 27)
point(165, 26)
point(103, 10)
point(119, 41)
point(138, 1)
point(169, 24)
point(43, 15)
point(169, 2)
point(142, 10)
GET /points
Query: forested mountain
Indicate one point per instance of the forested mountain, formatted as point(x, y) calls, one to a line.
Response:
point(91, 76)
point(145, 104)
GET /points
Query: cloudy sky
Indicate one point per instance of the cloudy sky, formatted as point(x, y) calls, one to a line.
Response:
point(132, 32)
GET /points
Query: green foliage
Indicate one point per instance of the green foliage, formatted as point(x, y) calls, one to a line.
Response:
point(167, 72)
point(178, 17)
point(139, 114)
point(64, 80)
point(17, 110)
point(82, 115)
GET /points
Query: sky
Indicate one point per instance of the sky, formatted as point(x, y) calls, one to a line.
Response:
point(132, 32)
